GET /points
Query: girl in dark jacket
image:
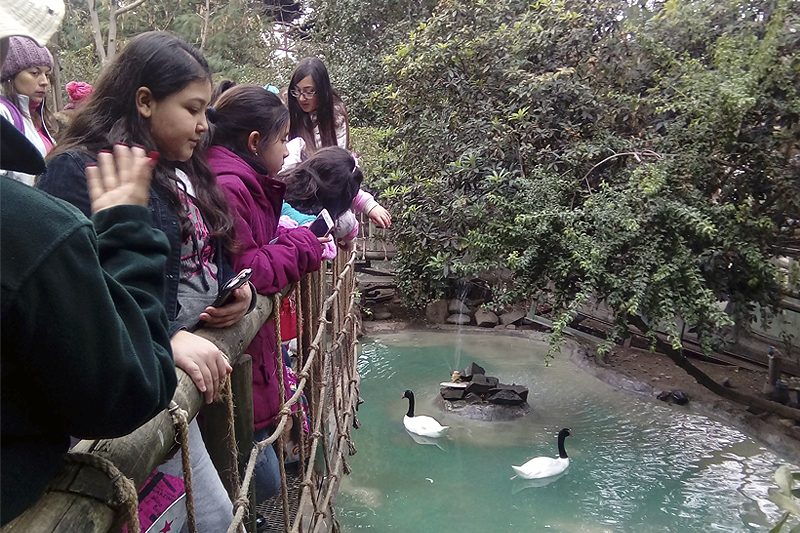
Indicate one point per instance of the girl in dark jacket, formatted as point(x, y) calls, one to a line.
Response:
point(155, 94)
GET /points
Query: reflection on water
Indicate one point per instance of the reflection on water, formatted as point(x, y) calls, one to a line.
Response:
point(636, 465)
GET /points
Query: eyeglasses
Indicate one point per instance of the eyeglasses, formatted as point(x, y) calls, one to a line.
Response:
point(308, 94)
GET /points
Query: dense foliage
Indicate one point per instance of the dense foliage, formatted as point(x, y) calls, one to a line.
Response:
point(645, 155)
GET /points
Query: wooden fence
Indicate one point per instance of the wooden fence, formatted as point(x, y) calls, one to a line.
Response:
point(91, 496)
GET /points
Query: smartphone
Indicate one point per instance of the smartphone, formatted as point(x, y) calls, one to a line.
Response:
point(234, 283)
point(322, 225)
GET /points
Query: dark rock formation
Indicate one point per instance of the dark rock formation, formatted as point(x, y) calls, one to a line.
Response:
point(476, 395)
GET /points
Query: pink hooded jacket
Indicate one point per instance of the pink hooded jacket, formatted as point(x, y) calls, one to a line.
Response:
point(255, 203)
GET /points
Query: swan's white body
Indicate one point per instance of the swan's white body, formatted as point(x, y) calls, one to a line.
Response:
point(419, 439)
point(425, 426)
point(544, 467)
point(541, 467)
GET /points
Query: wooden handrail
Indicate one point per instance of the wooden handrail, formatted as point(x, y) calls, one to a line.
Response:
point(80, 494)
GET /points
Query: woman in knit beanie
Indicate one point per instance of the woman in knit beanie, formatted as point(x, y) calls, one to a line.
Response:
point(25, 80)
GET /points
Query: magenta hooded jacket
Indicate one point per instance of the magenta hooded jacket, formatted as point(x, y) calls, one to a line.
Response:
point(255, 204)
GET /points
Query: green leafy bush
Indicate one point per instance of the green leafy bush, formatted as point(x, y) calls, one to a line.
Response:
point(645, 155)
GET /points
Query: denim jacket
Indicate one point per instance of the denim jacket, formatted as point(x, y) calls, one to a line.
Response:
point(65, 178)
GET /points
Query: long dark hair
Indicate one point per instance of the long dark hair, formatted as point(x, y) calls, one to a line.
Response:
point(241, 110)
point(330, 108)
point(166, 65)
point(46, 116)
point(328, 179)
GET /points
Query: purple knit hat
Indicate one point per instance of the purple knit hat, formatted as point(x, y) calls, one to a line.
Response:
point(24, 53)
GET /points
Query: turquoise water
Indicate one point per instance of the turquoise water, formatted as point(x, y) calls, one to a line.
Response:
point(636, 465)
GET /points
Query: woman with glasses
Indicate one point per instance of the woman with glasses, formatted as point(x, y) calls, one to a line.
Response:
point(318, 119)
point(316, 113)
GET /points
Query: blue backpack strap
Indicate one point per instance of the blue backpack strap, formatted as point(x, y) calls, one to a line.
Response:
point(16, 116)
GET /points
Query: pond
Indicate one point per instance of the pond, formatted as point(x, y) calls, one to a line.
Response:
point(636, 464)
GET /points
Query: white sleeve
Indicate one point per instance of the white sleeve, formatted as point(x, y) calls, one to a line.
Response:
point(296, 147)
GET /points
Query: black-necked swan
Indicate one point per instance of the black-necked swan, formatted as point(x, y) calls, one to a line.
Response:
point(421, 425)
point(542, 467)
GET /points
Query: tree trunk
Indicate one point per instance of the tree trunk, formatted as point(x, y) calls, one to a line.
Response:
point(100, 49)
point(204, 30)
point(56, 87)
point(111, 50)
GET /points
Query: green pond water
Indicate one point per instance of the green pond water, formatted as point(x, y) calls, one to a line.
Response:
point(636, 464)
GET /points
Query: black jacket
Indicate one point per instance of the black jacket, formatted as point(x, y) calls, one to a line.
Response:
point(66, 178)
point(85, 345)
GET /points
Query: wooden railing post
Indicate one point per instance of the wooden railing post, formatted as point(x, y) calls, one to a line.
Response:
point(242, 388)
point(214, 426)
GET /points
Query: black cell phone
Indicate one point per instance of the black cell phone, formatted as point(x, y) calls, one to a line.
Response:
point(234, 283)
point(322, 225)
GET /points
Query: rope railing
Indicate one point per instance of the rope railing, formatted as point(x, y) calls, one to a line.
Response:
point(86, 496)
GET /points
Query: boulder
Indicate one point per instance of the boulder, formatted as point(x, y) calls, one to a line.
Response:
point(512, 317)
point(436, 312)
point(459, 319)
point(519, 390)
point(472, 370)
point(680, 397)
point(472, 398)
point(451, 394)
point(382, 314)
point(504, 397)
point(481, 384)
point(486, 319)
point(457, 306)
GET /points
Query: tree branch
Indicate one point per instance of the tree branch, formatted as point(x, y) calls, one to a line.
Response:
point(637, 155)
point(706, 381)
point(204, 29)
point(132, 5)
point(96, 33)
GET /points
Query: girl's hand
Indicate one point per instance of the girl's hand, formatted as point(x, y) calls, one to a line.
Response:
point(380, 216)
point(202, 360)
point(120, 179)
point(324, 240)
point(230, 313)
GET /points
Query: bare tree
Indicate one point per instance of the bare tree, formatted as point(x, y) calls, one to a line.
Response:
point(106, 51)
point(206, 15)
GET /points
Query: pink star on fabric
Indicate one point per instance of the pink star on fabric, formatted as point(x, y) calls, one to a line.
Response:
point(167, 527)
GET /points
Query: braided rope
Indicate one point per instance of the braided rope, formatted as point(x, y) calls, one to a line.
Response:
point(126, 498)
point(319, 375)
point(181, 420)
point(285, 410)
point(226, 395)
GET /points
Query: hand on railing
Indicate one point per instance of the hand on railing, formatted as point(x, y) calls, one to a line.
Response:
point(202, 360)
point(380, 216)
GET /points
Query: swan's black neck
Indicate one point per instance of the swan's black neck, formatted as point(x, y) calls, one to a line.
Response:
point(410, 412)
point(562, 453)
